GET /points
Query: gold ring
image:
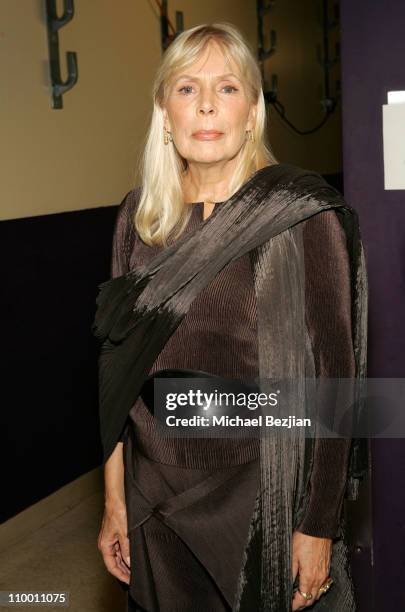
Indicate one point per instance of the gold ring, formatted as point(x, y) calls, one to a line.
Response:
point(326, 585)
point(306, 596)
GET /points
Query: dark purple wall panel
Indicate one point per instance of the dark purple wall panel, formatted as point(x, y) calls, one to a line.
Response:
point(373, 62)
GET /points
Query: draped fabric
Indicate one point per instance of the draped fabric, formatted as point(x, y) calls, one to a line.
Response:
point(138, 312)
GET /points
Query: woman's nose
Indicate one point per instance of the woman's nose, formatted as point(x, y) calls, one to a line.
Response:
point(206, 106)
point(206, 109)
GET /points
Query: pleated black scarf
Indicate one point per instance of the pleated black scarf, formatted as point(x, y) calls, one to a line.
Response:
point(138, 312)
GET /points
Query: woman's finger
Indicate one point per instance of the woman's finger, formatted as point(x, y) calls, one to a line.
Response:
point(110, 561)
point(318, 585)
point(120, 562)
point(125, 572)
point(124, 548)
point(306, 585)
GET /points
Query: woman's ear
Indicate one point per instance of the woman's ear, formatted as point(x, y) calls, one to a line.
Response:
point(166, 123)
point(251, 122)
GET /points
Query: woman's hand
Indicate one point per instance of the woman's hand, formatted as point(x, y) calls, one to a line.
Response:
point(311, 559)
point(113, 542)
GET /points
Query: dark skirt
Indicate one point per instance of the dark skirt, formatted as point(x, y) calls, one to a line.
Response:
point(187, 526)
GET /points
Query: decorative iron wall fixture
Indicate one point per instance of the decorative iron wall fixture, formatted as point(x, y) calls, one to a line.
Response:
point(270, 94)
point(54, 23)
point(324, 59)
point(165, 25)
point(263, 54)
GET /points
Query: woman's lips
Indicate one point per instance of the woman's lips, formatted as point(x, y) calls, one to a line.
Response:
point(207, 134)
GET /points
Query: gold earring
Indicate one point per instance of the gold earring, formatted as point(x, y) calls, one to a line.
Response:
point(250, 135)
point(167, 137)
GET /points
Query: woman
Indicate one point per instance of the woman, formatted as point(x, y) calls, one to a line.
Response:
point(223, 524)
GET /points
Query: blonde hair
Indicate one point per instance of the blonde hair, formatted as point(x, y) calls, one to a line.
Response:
point(161, 212)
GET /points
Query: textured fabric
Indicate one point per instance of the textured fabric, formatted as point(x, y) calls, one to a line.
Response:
point(220, 330)
point(263, 215)
point(187, 530)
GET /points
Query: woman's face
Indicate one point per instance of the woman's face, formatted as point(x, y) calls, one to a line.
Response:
point(210, 96)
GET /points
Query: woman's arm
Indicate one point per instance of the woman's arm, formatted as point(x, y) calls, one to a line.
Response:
point(328, 312)
point(328, 299)
point(113, 541)
point(123, 241)
point(114, 492)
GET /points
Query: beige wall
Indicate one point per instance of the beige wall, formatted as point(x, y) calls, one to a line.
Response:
point(85, 154)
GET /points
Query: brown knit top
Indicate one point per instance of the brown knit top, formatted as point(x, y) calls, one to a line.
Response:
point(219, 335)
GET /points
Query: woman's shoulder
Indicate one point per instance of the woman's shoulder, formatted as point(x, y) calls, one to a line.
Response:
point(324, 234)
point(138, 252)
point(302, 180)
point(288, 173)
point(124, 236)
point(126, 211)
point(324, 219)
point(130, 202)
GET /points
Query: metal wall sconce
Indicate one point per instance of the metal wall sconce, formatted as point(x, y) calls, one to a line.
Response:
point(167, 38)
point(328, 101)
point(54, 23)
point(263, 54)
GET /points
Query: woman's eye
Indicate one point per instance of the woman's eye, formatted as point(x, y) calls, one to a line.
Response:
point(185, 87)
point(188, 87)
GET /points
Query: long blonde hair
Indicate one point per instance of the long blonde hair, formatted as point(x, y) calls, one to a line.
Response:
point(161, 212)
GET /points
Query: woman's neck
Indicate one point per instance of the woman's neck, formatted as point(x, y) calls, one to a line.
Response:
point(209, 185)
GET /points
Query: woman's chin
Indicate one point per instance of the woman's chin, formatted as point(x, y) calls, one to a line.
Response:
point(218, 155)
